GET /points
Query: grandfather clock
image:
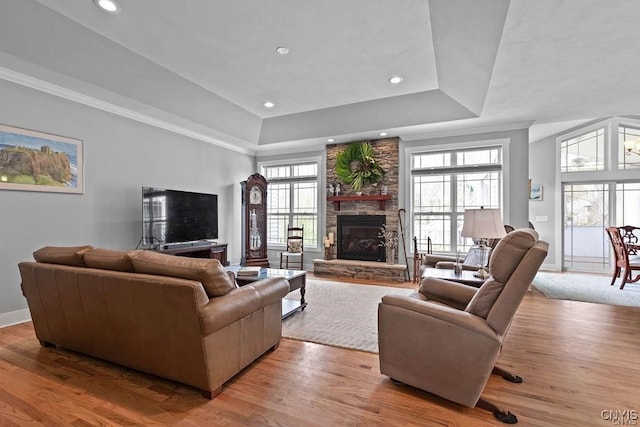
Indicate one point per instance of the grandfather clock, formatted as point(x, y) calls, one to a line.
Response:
point(254, 221)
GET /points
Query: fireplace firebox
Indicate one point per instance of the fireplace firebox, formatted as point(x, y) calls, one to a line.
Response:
point(357, 237)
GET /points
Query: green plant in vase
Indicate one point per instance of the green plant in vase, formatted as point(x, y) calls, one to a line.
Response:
point(356, 165)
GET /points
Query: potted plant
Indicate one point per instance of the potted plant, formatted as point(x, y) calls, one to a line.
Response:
point(388, 236)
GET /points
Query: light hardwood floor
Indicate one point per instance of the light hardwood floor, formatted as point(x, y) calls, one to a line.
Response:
point(577, 360)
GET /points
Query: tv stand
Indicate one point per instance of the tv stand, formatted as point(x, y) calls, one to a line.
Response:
point(201, 249)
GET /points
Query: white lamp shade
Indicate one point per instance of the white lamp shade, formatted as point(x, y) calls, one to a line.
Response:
point(630, 145)
point(483, 224)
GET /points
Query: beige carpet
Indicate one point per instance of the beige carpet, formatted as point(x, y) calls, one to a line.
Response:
point(339, 314)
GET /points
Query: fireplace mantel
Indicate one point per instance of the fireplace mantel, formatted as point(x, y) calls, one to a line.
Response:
point(380, 198)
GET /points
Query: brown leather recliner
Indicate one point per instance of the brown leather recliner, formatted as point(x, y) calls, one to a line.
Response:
point(446, 338)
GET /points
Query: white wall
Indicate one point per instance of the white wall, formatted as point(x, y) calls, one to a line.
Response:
point(120, 156)
point(543, 167)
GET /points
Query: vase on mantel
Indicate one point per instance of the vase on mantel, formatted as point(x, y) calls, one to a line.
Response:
point(391, 255)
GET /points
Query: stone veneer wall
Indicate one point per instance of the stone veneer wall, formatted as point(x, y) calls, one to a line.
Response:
point(387, 155)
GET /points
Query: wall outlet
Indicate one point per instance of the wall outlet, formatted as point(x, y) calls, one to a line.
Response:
point(542, 218)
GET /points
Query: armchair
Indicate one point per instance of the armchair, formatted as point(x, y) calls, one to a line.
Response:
point(446, 338)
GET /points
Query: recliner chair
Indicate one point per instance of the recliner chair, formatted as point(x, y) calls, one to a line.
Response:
point(446, 338)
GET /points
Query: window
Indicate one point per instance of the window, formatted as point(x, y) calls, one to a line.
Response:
point(627, 202)
point(584, 152)
point(607, 192)
point(292, 198)
point(632, 160)
point(443, 185)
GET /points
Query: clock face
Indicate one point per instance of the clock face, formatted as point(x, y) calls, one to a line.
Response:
point(255, 196)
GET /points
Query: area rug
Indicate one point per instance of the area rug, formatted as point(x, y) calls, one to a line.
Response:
point(339, 314)
point(588, 288)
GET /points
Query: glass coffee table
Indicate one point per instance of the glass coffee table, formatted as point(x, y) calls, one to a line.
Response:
point(297, 280)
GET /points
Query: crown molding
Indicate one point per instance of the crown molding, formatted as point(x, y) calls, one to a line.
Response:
point(459, 128)
point(71, 95)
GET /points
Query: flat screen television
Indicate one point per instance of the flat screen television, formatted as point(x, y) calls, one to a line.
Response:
point(173, 216)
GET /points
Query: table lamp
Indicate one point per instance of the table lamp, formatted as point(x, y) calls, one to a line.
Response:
point(482, 225)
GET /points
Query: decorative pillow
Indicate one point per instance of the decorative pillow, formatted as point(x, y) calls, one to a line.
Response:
point(66, 255)
point(295, 246)
point(209, 272)
point(108, 259)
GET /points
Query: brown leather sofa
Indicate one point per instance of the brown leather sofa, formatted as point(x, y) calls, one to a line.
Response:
point(446, 338)
point(179, 318)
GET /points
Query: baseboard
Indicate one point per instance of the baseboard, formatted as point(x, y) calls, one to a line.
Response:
point(14, 317)
point(550, 267)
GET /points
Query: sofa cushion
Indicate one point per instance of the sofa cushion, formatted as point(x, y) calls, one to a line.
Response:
point(108, 259)
point(66, 255)
point(209, 272)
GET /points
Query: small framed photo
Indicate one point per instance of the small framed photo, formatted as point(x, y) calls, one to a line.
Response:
point(535, 192)
point(36, 161)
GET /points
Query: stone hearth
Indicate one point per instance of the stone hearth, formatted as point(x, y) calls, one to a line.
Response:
point(368, 270)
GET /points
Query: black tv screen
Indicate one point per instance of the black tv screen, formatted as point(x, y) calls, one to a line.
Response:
point(172, 216)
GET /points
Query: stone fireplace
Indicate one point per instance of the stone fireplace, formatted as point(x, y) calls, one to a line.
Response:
point(367, 260)
point(358, 237)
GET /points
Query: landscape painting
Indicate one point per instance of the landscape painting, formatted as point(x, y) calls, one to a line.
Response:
point(36, 161)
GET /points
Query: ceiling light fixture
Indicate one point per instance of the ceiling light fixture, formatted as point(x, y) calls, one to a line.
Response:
point(282, 50)
point(108, 5)
point(396, 80)
point(382, 134)
point(631, 146)
point(269, 104)
point(331, 140)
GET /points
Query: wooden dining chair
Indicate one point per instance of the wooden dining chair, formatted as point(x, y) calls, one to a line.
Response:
point(630, 238)
point(622, 259)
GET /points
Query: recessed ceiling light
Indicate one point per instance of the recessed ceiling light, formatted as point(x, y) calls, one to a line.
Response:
point(269, 104)
point(331, 140)
point(282, 50)
point(395, 80)
point(109, 5)
point(382, 134)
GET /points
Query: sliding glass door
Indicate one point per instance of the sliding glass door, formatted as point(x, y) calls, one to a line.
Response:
point(586, 214)
point(588, 210)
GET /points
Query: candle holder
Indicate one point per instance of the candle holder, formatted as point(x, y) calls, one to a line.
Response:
point(328, 242)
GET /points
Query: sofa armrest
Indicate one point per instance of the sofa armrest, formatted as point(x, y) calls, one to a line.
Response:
point(222, 311)
point(447, 292)
point(448, 265)
point(430, 260)
point(436, 313)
